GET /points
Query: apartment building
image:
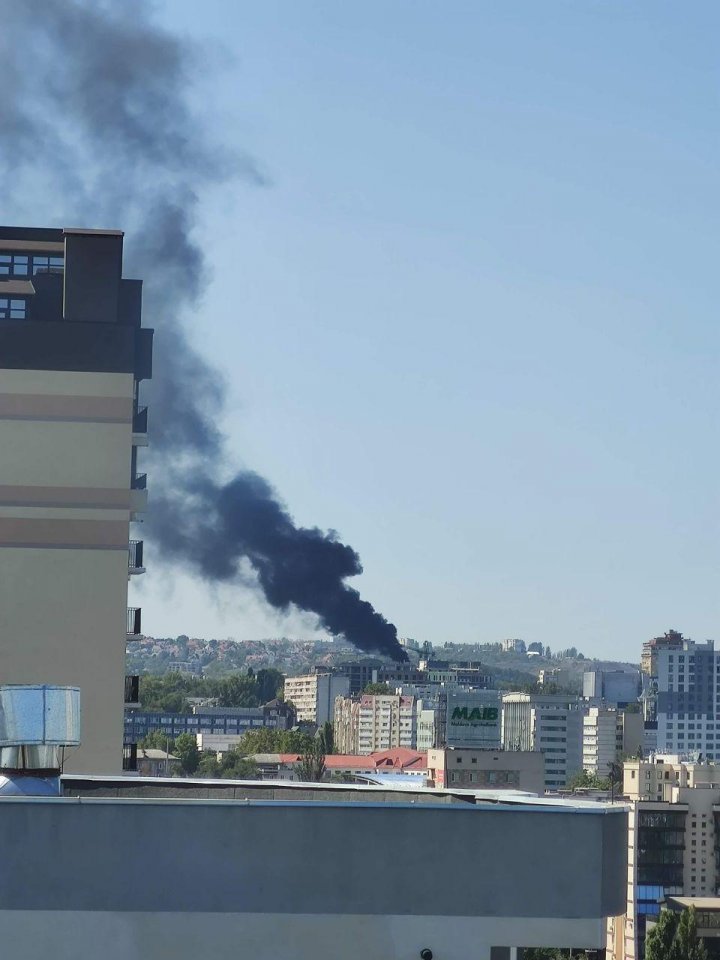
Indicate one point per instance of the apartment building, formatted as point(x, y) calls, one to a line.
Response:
point(673, 843)
point(313, 695)
point(552, 725)
point(687, 681)
point(487, 769)
point(377, 722)
point(609, 735)
point(73, 356)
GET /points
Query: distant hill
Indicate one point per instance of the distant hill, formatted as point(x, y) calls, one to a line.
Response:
point(216, 658)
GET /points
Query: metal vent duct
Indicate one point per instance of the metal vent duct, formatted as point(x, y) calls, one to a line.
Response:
point(35, 721)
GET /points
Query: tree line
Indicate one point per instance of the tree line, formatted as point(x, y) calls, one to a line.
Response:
point(237, 763)
point(172, 691)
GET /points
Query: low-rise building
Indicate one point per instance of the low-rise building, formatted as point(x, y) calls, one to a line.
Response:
point(374, 766)
point(486, 769)
point(156, 763)
point(218, 742)
point(275, 715)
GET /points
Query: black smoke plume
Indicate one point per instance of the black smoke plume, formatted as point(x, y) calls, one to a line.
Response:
point(94, 116)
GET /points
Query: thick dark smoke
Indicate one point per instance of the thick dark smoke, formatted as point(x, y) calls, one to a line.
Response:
point(94, 116)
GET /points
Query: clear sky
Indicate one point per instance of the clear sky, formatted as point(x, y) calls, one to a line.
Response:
point(471, 323)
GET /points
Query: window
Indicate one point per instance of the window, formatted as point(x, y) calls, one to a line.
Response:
point(15, 265)
point(12, 309)
point(47, 264)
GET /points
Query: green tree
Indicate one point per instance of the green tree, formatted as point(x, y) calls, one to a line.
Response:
point(674, 937)
point(238, 691)
point(232, 766)
point(269, 683)
point(209, 765)
point(583, 779)
point(157, 740)
point(377, 688)
point(312, 764)
point(326, 738)
point(236, 767)
point(267, 740)
point(689, 945)
point(187, 749)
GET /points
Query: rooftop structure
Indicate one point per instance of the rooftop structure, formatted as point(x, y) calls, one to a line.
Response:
point(298, 871)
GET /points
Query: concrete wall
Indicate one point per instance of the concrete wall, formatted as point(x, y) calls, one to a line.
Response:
point(65, 505)
point(188, 879)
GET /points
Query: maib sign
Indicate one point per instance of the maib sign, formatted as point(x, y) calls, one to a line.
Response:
point(475, 716)
point(473, 720)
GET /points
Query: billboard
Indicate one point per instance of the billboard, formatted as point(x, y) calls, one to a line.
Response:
point(473, 719)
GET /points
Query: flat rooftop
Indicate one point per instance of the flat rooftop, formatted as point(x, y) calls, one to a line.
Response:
point(407, 792)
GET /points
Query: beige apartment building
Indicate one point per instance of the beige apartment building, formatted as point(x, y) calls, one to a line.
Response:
point(313, 695)
point(673, 834)
point(609, 735)
point(470, 769)
point(374, 722)
point(72, 355)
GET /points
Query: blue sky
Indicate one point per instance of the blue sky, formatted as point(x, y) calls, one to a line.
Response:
point(471, 322)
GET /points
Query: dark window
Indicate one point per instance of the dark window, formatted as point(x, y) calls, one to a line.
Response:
point(21, 265)
point(11, 309)
point(47, 264)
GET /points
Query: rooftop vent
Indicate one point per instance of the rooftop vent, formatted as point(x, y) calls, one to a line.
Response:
point(37, 722)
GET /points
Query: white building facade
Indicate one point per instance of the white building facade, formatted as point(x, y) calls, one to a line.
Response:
point(313, 695)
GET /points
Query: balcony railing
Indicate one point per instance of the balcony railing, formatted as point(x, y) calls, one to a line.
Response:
point(135, 557)
point(132, 690)
point(130, 756)
point(139, 481)
point(134, 622)
point(140, 420)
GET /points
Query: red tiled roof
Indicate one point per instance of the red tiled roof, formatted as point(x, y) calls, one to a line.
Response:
point(399, 758)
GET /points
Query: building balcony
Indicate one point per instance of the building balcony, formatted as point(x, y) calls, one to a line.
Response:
point(134, 623)
point(130, 757)
point(138, 481)
point(139, 427)
point(132, 691)
point(135, 557)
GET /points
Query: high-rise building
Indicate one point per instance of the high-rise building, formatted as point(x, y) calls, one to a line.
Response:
point(375, 722)
point(313, 695)
point(673, 835)
point(360, 673)
point(684, 698)
point(72, 358)
point(548, 723)
point(609, 735)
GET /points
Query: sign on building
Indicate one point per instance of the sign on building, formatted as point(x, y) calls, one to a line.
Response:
point(473, 719)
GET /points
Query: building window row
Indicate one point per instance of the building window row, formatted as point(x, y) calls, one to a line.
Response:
point(22, 265)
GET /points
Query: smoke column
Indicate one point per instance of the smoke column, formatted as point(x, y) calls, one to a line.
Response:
point(94, 112)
